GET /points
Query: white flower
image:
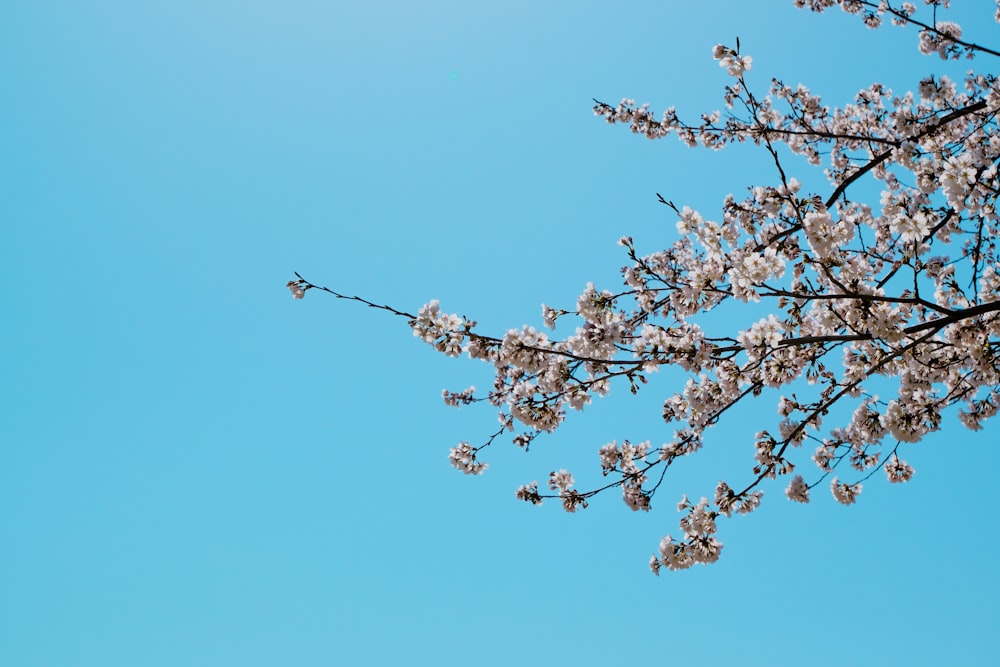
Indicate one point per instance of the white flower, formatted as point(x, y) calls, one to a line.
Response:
point(735, 65)
point(561, 480)
point(549, 315)
point(733, 62)
point(910, 228)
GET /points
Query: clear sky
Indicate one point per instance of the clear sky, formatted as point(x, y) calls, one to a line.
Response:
point(197, 470)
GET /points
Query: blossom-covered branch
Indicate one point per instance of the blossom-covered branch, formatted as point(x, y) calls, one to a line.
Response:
point(902, 294)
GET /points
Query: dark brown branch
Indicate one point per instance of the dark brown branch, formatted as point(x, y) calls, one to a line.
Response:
point(308, 285)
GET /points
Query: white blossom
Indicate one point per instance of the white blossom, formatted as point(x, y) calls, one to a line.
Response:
point(797, 490)
point(463, 457)
point(734, 63)
point(561, 480)
point(844, 493)
point(897, 470)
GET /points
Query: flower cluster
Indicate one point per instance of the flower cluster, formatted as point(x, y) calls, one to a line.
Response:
point(463, 458)
point(897, 471)
point(699, 544)
point(562, 481)
point(845, 494)
point(797, 490)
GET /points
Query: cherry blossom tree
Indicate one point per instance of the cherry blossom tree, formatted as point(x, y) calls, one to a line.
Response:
point(903, 294)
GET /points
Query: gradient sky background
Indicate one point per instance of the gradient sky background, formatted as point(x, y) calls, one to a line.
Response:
point(197, 470)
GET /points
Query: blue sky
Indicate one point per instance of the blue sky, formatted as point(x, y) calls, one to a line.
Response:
point(197, 470)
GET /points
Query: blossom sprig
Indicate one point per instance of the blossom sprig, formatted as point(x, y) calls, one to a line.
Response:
point(459, 398)
point(699, 544)
point(905, 289)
